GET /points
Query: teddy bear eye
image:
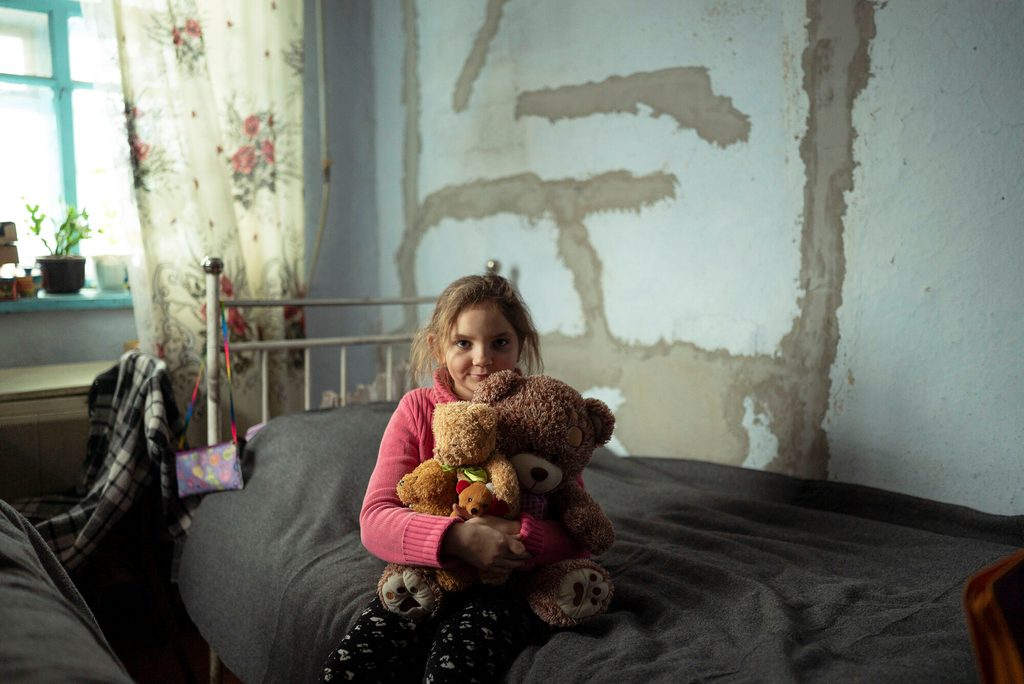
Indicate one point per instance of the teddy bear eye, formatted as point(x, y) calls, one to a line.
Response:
point(574, 436)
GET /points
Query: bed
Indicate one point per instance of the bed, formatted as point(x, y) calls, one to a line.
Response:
point(47, 632)
point(720, 572)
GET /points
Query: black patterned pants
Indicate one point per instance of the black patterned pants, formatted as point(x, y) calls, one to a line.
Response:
point(474, 639)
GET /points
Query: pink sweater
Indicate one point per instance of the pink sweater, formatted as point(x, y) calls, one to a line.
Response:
point(396, 534)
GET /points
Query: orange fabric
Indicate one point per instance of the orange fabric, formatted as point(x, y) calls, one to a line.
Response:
point(996, 621)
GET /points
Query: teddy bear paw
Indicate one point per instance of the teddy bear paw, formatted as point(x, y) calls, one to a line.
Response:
point(408, 593)
point(583, 593)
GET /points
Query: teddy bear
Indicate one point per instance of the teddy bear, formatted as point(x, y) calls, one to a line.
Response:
point(464, 461)
point(475, 499)
point(549, 432)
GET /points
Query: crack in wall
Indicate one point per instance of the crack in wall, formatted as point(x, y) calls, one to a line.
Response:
point(566, 201)
point(478, 55)
point(411, 143)
point(792, 387)
point(836, 65)
point(683, 93)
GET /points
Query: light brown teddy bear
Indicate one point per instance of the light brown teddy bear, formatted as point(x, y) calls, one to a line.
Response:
point(549, 432)
point(475, 499)
point(464, 452)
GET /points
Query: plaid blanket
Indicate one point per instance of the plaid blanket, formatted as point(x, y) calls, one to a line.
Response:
point(133, 422)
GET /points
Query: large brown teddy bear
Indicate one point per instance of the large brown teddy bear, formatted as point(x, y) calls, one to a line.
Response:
point(464, 451)
point(549, 432)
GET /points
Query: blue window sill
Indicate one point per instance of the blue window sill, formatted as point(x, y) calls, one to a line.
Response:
point(87, 298)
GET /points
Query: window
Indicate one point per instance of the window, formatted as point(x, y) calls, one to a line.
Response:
point(61, 123)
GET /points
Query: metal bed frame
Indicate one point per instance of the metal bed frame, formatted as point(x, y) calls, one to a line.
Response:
point(213, 266)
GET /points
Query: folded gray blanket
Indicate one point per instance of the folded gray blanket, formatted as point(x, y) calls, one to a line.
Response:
point(720, 573)
point(47, 632)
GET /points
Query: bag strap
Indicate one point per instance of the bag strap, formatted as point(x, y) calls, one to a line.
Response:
point(191, 406)
point(227, 365)
point(199, 376)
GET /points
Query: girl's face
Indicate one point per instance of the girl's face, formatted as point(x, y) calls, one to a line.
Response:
point(481, 342)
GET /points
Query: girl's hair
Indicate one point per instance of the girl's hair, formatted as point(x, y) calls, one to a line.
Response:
point(466, 292)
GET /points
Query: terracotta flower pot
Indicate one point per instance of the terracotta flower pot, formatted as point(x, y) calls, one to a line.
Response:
point(63, 274)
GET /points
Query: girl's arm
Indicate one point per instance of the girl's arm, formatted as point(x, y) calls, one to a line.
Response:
point(487, 543)
point(389, 529)
point(548, 541)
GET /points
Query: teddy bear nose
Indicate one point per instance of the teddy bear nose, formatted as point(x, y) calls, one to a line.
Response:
point(538, 474)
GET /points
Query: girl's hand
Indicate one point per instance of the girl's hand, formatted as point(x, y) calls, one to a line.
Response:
point(487, 543)
point(510, 527)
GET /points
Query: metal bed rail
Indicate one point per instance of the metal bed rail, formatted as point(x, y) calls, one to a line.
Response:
point(213, 267)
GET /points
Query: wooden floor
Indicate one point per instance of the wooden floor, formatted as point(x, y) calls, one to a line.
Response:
point(142, 616)
point(156, 663)
point(146, 647)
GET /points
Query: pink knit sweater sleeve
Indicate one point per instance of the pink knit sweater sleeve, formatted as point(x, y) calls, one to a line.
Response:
point(547, 541)
point(389, 530)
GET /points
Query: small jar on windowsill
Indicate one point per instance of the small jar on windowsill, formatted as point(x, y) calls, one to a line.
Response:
point(8, 289)
point(17, 283)
point(27, 284)
point(111, 272)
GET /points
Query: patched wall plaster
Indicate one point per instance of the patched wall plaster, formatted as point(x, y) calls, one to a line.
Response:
point(707, 382)
point(478, 56)
point(683, 93)
point(668, 184)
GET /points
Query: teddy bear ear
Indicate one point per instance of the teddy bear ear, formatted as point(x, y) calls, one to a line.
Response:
point(498, 386)
point(602, 418)
point(486, 416)
point(445, 413)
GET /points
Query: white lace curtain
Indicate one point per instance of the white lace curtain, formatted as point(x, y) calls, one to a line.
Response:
point(213, 114)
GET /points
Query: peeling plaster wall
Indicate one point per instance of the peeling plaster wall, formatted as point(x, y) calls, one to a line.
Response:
point(927, 386)
point(668, 183)
point(567, 95)
point(351, 221)
point(612, 172)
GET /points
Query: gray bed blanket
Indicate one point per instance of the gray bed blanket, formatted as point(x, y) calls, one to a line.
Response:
point(47, 632)
point(721, 573)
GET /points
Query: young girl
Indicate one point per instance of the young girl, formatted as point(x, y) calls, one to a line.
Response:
point(479, 326)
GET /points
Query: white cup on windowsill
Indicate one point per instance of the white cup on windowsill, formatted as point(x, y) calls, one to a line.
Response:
point(111, 272)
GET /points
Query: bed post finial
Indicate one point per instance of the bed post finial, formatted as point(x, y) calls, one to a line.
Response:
point(213, 265)
point(494, 268)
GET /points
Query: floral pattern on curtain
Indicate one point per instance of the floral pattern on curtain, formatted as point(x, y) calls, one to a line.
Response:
point(213, 113)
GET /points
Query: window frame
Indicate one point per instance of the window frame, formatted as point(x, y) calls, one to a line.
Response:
point(60, 82)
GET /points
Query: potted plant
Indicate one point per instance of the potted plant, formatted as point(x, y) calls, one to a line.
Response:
point(63, 271)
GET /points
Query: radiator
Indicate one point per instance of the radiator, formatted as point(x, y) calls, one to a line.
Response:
point(44, 426)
